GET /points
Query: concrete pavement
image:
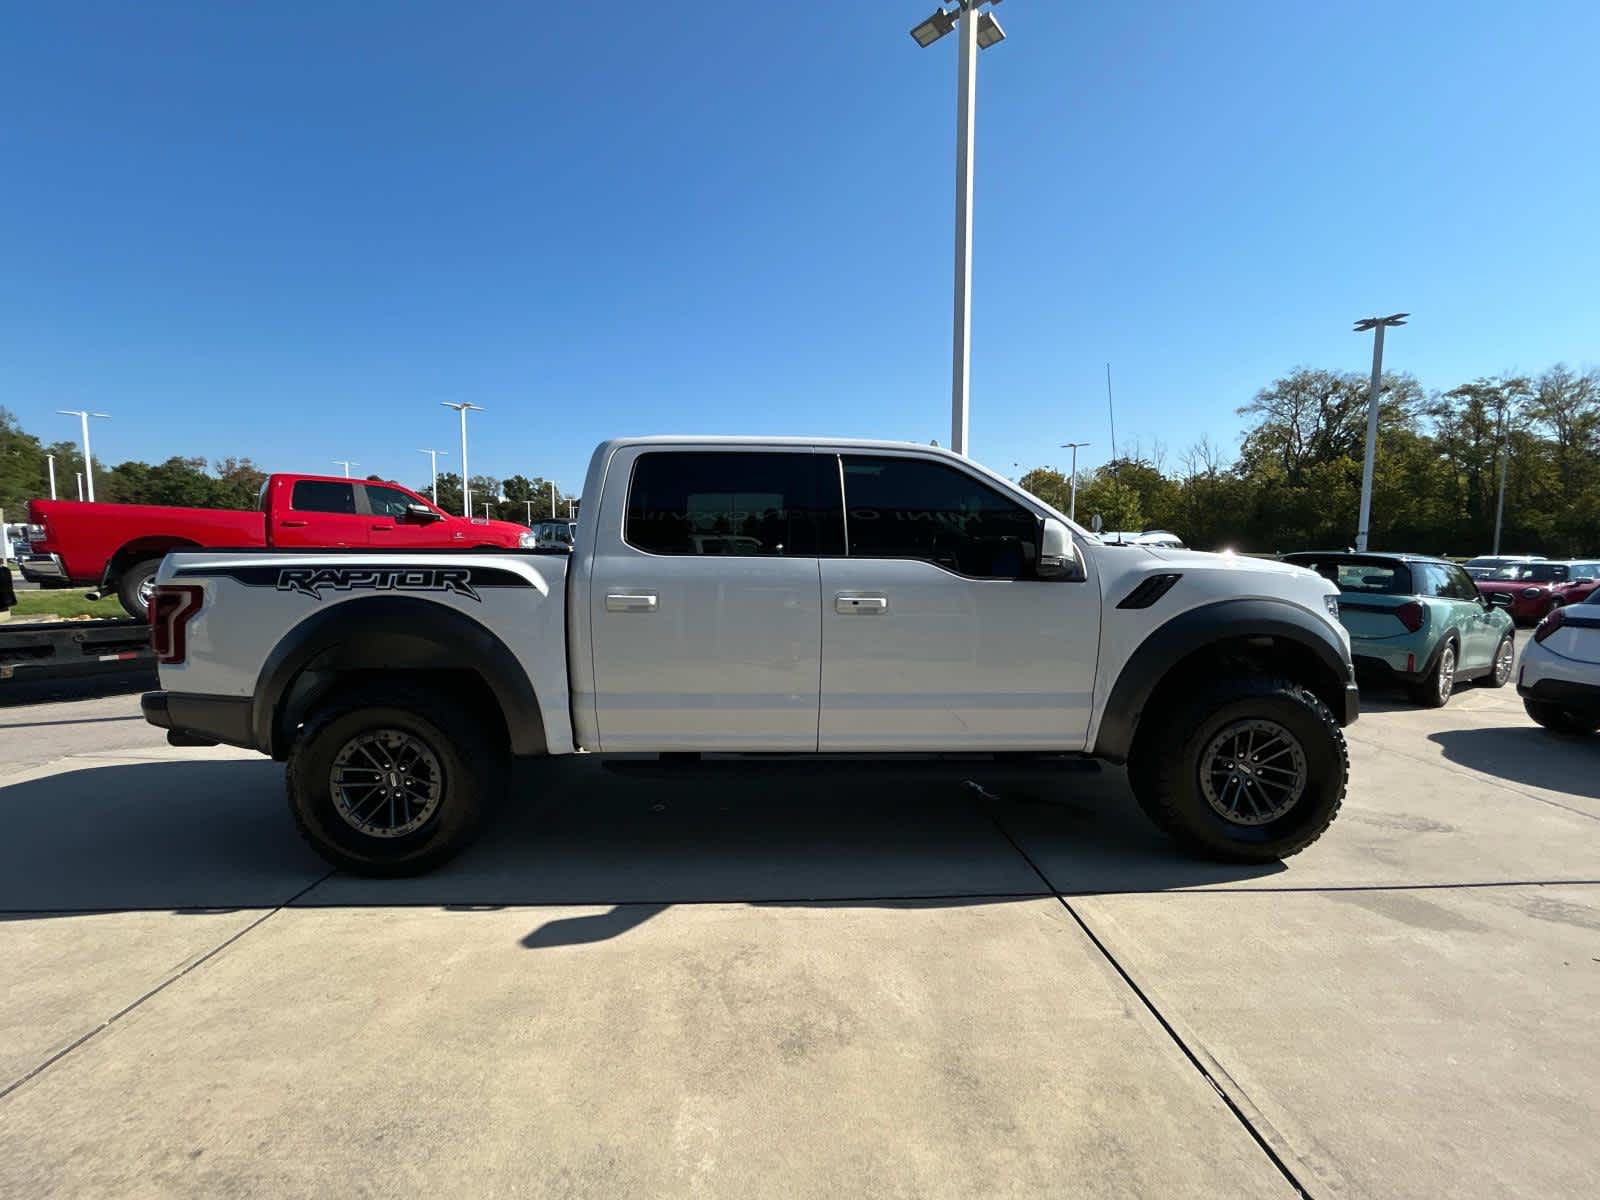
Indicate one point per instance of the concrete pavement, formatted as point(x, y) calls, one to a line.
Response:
point(807, 980)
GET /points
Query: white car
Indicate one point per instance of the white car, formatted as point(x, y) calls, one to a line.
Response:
point(764, 595)
point(1559, 679)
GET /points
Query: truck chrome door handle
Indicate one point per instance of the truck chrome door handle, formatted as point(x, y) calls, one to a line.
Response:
point(849, 604)
point(630, 602)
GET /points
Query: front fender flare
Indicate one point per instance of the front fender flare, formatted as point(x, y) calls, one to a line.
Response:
point(1198, 628)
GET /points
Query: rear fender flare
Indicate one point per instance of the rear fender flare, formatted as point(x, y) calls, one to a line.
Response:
point(397, 633)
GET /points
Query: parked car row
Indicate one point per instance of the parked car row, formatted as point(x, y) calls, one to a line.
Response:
point(1425, 624)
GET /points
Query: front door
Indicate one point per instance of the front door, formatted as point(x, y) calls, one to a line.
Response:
point(391, 521)
point(704, 602)
point(935, 634)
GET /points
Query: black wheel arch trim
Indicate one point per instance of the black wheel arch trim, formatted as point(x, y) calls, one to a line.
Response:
point(1195, 629)
point(397, 633)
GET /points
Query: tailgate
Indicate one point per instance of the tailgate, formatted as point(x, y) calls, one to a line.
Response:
point(1372, 617)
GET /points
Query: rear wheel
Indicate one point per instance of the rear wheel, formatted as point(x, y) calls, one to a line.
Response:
point(1504, 656)
point(391, 782)
point(137, 586)
point(1247, 770)
point(1434, 691)
point(1561, 720)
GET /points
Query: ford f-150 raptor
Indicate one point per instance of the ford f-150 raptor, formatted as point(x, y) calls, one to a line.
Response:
point(764, 595)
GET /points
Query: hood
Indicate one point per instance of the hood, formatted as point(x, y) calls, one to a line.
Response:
point(1204, 560)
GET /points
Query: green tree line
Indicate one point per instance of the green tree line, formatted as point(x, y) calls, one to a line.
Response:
point(1296, 481)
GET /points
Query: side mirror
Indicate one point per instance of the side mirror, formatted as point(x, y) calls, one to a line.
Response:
point(420, 512)
point(1058, 555)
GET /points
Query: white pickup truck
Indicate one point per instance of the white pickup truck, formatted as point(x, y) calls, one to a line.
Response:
point(766, 595)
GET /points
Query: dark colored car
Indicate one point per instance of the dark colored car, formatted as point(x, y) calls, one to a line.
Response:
point(1485, 566)
point(1536, 589)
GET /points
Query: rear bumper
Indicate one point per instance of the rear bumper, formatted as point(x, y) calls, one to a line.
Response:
point(47, 570)
point(196, 720)
point(1388, 668)
point(1585, 697)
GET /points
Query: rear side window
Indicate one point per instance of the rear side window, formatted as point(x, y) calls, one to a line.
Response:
point(912, 508)
point(752, 505)
point(316, 495)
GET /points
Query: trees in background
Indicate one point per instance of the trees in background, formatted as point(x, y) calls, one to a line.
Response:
point(1296, 482)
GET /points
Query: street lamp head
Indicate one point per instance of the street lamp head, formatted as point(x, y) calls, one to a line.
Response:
point(989, 32)
point(934, 28)
point(1367, 323)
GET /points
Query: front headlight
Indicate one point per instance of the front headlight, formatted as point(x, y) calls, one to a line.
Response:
point(528, 541)
point(1333, 606)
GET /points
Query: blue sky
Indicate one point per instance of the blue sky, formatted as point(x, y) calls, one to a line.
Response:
point(290, 230)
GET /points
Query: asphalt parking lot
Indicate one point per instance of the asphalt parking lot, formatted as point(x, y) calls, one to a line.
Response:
point(806, 980)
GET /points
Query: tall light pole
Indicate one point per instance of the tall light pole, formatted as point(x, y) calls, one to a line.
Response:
point(433, 467)
point(977, 30)
point(346, 463)
point(79, 474)
point(466, 480)
point(1072, 512)
point(1505, 461)
point(50, 462)
point(1377, 325)
point(529, 505)
point(83, 416)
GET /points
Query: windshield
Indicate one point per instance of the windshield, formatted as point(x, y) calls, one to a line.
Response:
point(1535, 573)
point(1361, 576)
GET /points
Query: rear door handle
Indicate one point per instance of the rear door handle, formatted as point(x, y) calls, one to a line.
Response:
point(630, 602)
point(849, 604)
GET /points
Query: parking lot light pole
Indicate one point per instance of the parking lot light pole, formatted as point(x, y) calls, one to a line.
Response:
point(466, 485)
point(50, 462)
point(977, 30)
point(1505, 461)
point(1377, 325)
point(346, 463)
point(83, 416)
point(1072, 512)
point(433, 468)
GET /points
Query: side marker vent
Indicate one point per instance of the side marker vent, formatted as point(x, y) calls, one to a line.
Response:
point(1148, 592)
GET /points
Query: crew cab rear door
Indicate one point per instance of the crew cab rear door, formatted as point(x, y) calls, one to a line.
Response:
point(320, 513)
point(704, 599)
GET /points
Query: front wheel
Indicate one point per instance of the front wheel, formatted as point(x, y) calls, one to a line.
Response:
point(390, 782)
point(1557, 719)
point(1246, 770)
point(1434, 691)
point(1504, 656)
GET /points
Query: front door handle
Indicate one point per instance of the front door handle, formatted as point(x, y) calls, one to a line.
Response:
point(631, 602)
point(291, 524)
point(383, 527)
point(850, 603)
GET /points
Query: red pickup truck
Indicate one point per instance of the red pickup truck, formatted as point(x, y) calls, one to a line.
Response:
point(117, 547)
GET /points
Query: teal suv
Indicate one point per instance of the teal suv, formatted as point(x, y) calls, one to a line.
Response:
point(1418, 622)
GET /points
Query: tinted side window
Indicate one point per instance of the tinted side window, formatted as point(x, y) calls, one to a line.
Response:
point(388, 502)
point(315, 495)
point(1461, 585)
point(912, 508)
point(751, 505)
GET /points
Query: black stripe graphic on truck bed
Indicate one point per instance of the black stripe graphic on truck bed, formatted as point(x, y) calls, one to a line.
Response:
point(314, 581)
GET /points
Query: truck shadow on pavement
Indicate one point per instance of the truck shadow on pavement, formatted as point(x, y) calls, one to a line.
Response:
point(1527, 755)
point(214, 835)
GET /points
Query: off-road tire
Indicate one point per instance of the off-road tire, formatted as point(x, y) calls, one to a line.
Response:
point(1431, 693)
point(128, 587)
point(1492, 679)
point(1165, 771)
point(473, 772)
point(1557, 719)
